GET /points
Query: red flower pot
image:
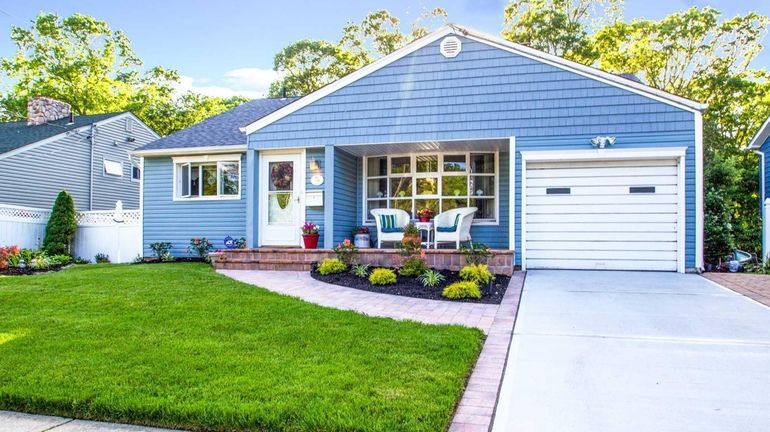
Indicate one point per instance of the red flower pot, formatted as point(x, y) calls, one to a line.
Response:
point(310, 240)
point(424, 218)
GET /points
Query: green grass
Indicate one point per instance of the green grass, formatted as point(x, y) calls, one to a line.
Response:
point(178, 345)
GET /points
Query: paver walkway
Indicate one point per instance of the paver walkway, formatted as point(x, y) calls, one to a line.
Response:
point(753, 286)
point(300, 284)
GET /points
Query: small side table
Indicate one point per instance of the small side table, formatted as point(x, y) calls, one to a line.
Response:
point(428, 228)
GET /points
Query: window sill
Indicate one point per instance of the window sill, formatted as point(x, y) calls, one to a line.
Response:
point(209, 198)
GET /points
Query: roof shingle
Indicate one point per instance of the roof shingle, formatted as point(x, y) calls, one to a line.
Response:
point(15, 135)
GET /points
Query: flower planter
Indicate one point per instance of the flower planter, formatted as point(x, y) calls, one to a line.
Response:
point(412, 240)
point(424, 218)
point(361, 241)
point(310, 241)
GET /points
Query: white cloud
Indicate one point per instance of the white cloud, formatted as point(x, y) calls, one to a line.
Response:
point(248, 82)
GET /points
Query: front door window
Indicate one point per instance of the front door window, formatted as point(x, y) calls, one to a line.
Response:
point(281, 198)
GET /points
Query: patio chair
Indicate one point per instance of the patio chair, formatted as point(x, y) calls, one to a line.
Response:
point(390, 224)
point(453, 226)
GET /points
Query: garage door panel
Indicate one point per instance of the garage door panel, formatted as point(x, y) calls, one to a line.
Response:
point(604, 245)
point(598, 227)
point(601, 208)
point(603, 172)
point(618, 199)
point(593, 181)
point(650, 265)
point(601, 190)
point(595, 221)
point(576, 218)
point(625, 236)
point(602, 255)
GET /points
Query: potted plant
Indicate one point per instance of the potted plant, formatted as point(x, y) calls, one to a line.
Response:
point(425, 214)
point(361, 237)
point(412, 236)
point(310, 235)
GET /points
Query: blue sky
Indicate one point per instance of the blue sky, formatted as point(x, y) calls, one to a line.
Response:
point(226, 47)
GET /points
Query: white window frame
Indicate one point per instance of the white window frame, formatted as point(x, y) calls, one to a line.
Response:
point(138, 166)
point(105, 171)
point(219, 160)
point(365, 220)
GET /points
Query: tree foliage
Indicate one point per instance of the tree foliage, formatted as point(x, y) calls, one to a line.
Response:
point(307, 65)
point(694, 53)
point(79, 59)
point(61, 227)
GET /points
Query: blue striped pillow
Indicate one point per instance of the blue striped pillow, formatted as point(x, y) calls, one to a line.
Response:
point(388, 222)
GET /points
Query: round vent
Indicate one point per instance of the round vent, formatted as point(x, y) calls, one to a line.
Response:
point(450, 46)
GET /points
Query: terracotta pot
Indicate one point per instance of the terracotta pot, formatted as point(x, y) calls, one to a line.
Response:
point(310, 240)
point(413, 240)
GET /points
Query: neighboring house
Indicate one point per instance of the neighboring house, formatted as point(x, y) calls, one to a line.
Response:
point(87, 155)
point(760, 144)
point(455, 119)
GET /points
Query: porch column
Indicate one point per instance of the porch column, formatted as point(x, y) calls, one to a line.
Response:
point(329, 169)
point(252, 198)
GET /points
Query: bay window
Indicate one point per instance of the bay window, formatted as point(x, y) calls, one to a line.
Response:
point(207, 177)
point(441, 182)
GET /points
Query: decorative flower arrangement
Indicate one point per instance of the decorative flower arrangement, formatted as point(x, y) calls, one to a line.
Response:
point(425, 214)
point(201, 246)
point(361, 230)
point(309, 228)
point(282, 174)
point(346, 252)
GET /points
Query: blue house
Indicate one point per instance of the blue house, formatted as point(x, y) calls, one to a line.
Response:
point(568, 166)
point(760, 144)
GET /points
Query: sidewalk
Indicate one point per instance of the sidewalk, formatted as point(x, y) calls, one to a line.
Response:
point(20, 422)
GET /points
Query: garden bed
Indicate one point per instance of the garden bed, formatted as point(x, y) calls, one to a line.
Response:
point(411, 287)
point(18, 271)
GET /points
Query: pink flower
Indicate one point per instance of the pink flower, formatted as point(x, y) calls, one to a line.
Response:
point(346, 242)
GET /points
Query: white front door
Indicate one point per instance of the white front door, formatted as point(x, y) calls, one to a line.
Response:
point(281, 209)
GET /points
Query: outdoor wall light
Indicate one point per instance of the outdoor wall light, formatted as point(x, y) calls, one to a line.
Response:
point(314, 166)
point(601, 142)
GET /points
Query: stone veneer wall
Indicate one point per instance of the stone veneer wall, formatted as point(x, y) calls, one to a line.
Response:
point(44, 109)
point(501, 261)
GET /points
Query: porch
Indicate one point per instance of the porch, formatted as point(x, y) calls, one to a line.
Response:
point(295, 259)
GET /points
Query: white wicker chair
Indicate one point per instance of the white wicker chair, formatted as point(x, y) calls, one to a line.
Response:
point(402, 220)
point(447, 219)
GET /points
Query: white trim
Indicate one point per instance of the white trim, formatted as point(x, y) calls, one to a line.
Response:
point(699, 191)
point(762, 134)
point(236, 157)
point(512, 195)
point(559, 62)
point(190, 151)
point(413, 174)
point(261, 217)
point(677, 153)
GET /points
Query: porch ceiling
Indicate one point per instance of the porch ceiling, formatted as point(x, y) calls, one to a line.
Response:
point(496, 144)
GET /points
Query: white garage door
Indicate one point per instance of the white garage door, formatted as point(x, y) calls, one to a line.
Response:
point(615, 215)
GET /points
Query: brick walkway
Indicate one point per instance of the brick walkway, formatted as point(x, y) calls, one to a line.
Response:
point(753, 286)
point(477, 405)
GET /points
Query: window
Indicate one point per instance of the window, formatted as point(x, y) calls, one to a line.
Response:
point(136, 172)
point(202, 178)
point(113, 168)
point(440, 182)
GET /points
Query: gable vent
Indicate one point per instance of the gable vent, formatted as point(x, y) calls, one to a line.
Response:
point(450, 46)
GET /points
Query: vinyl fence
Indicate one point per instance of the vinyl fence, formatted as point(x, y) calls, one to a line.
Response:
point(116, 233)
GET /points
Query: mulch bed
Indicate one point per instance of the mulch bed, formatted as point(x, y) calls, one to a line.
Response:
point(411, 287)
point(16, 271)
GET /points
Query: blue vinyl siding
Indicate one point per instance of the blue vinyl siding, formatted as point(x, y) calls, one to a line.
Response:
point(346, 198)
point(765, 148)
point(315, 214)
point(179, 221)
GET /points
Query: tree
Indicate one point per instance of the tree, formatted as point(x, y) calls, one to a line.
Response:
point(61, 227)
point(80, 60)
point(694, 54)
point(308, 65)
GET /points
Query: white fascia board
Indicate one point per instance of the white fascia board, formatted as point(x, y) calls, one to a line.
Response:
point(241, 148)
point(762, 134)
point(342, 82)
point(603, 154)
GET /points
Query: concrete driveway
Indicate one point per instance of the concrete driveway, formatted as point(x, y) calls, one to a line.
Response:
point(634, 351)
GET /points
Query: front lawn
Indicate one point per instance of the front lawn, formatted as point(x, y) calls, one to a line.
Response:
point(177, 345)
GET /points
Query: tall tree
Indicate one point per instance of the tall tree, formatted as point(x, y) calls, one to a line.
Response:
point(308, 65)
point(80, 60)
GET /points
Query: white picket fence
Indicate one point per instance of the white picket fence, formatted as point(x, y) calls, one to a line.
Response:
point(116, 233)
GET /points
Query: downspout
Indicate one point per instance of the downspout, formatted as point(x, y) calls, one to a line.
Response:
point(91, 176)
point(762, 200)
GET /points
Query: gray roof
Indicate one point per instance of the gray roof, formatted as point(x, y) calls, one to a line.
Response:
point(222, 129)
point(14, 135)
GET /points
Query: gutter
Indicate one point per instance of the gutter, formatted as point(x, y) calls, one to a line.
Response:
point(189, 150)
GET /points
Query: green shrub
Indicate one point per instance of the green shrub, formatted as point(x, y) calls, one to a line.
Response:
point(40, 262)
point(382, 276)
point(431, 278)
point(162, 250)
point(101, 258)
point(80, 260)
point(61, 227)
point(478, 273)
point(331, 266)
point(412, 267)
point(60, 259)
point(360, 270)
point(347, 252)
point(476, 253)
point(462, 290)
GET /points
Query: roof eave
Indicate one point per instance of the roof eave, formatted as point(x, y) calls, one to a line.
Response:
point(190, 150)
point(761, 136)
